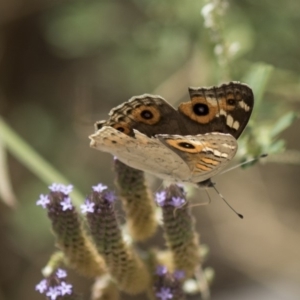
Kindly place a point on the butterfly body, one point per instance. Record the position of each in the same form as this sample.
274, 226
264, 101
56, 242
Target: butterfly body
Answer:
190, 144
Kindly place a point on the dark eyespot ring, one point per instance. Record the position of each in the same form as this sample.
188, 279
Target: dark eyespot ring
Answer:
147, 114
231, 101
201, 109
121, 129
186, 145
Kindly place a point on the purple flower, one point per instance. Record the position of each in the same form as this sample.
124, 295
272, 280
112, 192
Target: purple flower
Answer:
53, 292
161, 270
177, 201
42, 286
58, 187
66, 189
164, 294
99, 188
65, 288
43, 201
55, 187
179, 274
60, 273
66, 204
160, 198
110, 197
88, 206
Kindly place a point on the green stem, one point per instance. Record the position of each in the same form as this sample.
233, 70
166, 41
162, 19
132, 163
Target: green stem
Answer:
32, 160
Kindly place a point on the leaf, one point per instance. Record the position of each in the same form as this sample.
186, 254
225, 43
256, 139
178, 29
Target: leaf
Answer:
276, 147
284, 122
257, 78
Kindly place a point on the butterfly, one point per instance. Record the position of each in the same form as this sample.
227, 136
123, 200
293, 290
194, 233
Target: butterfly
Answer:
190, 144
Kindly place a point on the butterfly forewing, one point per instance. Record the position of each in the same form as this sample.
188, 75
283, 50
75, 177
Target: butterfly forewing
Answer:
149, 114
225, 108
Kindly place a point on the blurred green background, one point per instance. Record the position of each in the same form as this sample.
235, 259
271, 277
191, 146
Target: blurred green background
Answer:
65, 64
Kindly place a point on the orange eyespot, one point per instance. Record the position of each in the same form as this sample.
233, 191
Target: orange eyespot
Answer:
146, 114
120, 128
199, 109
187, 145
124, 128
231, 102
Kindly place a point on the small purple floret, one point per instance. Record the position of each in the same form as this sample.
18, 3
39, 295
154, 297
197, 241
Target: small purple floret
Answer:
42, 286
58, 187
66, 204
88, 206
160, 198
66, 189
110, 197
53, 292
43, 201
60, 273
65, 289
177, 201
179, 274
55, 187
165, 293
161, 270
99, 188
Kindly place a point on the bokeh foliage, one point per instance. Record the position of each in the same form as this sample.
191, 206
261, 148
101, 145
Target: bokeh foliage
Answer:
64, 64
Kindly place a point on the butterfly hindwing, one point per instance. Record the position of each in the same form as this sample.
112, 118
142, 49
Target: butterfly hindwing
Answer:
183, 158
205, 154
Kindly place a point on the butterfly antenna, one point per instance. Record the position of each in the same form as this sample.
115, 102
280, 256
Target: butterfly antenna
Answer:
222, 197
245, 163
